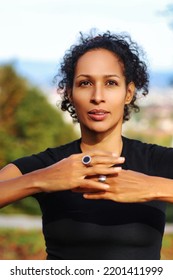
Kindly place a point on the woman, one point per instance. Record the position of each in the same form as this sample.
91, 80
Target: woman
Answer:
102, 196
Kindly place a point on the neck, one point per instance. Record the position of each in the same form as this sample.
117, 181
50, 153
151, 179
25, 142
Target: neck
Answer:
110, 143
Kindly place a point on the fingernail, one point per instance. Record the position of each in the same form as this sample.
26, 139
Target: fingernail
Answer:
106, 186
118, 168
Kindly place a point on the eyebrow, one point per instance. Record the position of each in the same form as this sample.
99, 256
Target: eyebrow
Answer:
105, 76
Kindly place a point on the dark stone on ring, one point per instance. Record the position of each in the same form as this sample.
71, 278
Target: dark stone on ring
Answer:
86, 160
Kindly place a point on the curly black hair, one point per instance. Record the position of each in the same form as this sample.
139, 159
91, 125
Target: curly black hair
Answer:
129, 53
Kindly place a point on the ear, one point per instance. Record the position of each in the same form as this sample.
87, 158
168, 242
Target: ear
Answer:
130, 92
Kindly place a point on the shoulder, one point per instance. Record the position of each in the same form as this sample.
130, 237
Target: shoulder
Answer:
139, 146
47, 157
148, 158
65, 150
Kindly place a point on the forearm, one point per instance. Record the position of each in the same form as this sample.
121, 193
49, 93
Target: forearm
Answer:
162, 188
131, 186
14, 189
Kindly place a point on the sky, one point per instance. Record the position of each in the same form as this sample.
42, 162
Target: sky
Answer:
43, 30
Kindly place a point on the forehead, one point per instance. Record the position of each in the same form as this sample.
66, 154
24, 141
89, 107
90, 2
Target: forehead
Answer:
99, 60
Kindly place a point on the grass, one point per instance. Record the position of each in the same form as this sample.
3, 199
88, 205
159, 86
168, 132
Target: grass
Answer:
29, 245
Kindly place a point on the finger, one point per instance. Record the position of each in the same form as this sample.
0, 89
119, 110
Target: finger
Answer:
96, 196
109, 161
106, 160
91, 184
101, 169
102, 153
99, 156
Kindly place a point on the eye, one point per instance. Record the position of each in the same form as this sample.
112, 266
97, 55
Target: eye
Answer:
85, 83
112, 83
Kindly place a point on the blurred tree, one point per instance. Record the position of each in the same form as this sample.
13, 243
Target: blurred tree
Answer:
28, 123
12, 90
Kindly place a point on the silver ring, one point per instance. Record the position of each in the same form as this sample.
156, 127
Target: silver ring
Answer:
102, 179
86, 160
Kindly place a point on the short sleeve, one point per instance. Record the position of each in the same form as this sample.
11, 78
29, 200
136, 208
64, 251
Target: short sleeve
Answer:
162, 161
35, 161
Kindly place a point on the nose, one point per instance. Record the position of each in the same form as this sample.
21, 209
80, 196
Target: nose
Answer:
97, 94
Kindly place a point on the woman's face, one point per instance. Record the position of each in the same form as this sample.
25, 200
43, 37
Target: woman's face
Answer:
99, 91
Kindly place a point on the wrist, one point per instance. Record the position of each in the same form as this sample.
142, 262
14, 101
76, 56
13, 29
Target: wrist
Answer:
35, 181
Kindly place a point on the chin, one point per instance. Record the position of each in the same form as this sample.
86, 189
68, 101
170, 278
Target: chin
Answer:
101, 129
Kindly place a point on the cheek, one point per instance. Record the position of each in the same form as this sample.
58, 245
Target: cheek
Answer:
77, 103
79, 100
118, 101
79, 106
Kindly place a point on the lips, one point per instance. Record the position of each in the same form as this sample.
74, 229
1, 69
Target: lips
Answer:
98, 114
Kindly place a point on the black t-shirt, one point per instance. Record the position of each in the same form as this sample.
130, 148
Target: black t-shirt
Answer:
76, 228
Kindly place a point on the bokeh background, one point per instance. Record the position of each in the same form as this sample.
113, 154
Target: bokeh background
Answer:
34, 34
